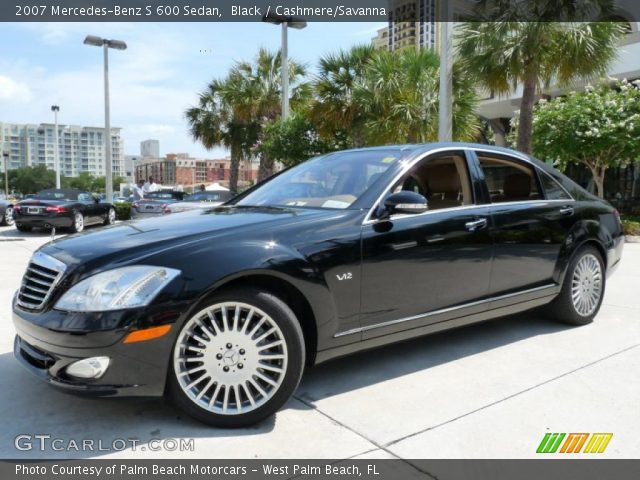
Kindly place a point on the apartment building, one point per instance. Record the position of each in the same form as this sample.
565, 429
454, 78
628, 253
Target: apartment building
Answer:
81, 149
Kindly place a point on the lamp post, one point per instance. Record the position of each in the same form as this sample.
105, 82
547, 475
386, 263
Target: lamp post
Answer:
5, 155
56, 157
445, 124
286, 22
106, 45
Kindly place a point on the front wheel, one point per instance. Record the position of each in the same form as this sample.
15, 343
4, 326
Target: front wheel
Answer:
237, 360
583, 290
8, 217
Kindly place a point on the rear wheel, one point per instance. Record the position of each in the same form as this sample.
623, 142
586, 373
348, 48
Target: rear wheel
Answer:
78, 222
238, 360
110, 219
583, 290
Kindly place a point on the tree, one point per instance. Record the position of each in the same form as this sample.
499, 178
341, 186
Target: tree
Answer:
215, 122
399, 96
338, 106
259, 92
232, 111
293, 140
598, 128
28, 180
503, 54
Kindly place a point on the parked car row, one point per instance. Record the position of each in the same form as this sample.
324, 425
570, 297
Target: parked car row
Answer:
74, 209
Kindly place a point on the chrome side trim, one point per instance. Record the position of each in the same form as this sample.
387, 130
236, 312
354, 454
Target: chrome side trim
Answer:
441, 311
515, 155
401, 216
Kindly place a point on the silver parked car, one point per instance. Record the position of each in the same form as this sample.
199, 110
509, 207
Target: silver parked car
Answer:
155, 203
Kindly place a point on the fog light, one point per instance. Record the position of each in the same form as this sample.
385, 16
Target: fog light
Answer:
93, 367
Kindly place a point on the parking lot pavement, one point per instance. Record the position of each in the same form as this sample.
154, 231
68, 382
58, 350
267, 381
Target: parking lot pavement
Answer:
490, 390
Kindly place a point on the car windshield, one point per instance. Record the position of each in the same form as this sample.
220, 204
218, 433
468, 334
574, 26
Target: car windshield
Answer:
208, 197
334, 181
57, 195
164, 195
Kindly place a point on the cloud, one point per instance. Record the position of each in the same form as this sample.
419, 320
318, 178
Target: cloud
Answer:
13, 91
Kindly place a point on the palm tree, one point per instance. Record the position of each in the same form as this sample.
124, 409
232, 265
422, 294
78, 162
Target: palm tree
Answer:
400, 98
337, 106
215, 122
504, 54
258, 90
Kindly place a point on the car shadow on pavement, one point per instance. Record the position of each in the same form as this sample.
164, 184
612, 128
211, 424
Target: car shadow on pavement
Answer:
393, 361
32, 407
35, 233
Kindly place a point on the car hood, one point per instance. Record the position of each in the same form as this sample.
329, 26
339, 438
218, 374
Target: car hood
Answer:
133, 241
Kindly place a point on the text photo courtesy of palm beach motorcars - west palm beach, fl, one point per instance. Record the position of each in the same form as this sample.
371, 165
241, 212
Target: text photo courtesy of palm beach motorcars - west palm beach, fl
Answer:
415, 237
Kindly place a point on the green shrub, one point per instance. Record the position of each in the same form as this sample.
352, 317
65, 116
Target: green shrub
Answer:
123, 211
631, 224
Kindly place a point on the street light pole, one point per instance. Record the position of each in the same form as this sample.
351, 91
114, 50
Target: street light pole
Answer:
107, 128
285, 71
285, 22
106, 45
445, 124
5, 155
56, 158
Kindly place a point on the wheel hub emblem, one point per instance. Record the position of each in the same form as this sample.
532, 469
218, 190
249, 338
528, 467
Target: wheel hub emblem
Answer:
230, 358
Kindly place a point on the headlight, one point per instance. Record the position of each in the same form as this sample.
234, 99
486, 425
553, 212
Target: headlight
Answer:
118, 289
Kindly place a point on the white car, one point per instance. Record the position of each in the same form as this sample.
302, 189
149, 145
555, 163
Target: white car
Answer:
206, 199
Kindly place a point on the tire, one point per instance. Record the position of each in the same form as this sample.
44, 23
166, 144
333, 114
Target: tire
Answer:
78, 222
585, 279
110, 219
7, 218
233, 353
23, 228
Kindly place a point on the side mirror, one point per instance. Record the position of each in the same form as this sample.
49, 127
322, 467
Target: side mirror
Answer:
404, 201
96, 199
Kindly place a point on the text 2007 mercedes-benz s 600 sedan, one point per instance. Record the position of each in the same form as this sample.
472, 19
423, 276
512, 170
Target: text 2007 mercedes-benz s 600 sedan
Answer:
222, 308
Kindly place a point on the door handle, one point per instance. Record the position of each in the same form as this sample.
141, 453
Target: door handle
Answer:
476, 224
566, 211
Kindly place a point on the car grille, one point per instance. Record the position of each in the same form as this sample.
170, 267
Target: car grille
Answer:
42, 275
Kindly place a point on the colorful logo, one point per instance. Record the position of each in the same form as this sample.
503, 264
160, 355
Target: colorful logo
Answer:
574, 443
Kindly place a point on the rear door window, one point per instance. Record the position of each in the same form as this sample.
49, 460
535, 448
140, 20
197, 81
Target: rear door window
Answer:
509, 180
552, 189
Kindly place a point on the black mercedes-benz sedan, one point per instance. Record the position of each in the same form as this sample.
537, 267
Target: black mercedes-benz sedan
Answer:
62, 208
222, 308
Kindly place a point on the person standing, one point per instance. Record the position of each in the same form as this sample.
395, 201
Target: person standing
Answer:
150, 186
138, 193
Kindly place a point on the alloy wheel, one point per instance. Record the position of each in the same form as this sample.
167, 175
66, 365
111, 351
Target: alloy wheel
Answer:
111, 219
586, 285
230, 358
78, 221
8, 216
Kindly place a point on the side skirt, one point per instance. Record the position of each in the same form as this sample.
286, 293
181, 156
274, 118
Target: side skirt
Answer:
409, 334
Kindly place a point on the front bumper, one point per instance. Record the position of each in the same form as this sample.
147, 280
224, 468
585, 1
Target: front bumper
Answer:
136, 369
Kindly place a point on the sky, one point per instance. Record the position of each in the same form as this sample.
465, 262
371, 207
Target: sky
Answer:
152, 83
